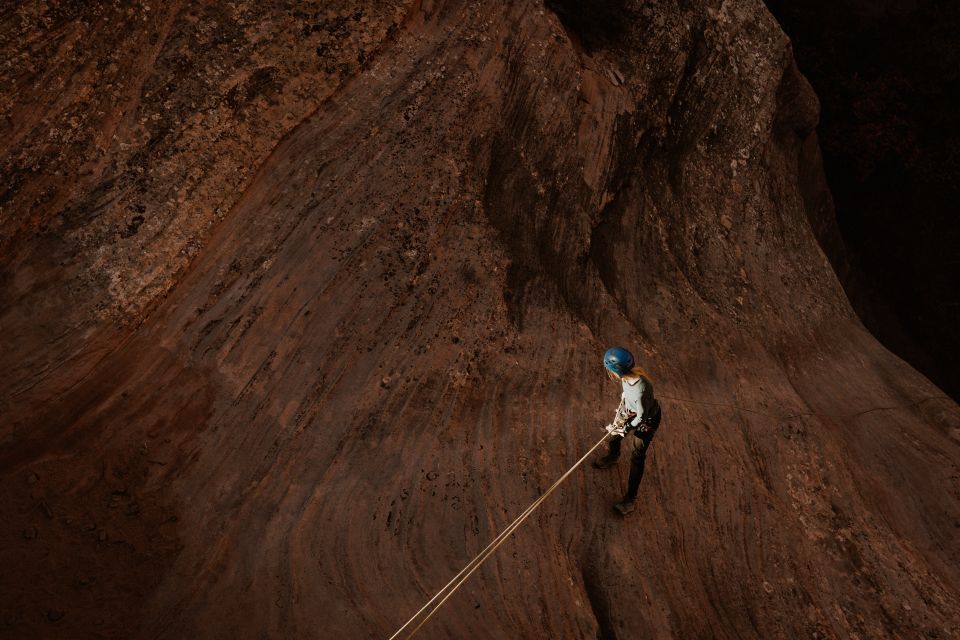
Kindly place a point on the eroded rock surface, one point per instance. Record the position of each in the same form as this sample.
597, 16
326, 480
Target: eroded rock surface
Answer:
303, 303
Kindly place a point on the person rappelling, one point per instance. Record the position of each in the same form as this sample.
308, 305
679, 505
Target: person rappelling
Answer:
638, 415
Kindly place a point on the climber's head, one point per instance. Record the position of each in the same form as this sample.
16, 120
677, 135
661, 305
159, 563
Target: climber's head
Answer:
618, 360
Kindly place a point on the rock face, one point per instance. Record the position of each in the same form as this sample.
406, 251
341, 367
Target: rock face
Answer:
303, 304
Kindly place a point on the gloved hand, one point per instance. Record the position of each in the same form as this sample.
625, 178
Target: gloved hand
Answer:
644, 425
616, 429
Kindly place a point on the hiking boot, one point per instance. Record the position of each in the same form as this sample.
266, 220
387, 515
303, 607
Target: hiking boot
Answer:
604, 462
625, 506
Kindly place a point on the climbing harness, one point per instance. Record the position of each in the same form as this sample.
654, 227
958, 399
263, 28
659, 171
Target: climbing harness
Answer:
474, 564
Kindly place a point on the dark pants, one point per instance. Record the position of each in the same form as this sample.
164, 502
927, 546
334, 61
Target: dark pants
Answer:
638, 456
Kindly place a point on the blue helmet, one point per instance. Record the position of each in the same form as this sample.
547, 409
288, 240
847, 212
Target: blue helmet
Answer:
618, 360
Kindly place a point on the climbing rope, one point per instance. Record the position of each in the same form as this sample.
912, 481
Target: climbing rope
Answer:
474, 564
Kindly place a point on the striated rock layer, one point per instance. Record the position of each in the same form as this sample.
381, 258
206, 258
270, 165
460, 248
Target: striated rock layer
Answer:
303, 303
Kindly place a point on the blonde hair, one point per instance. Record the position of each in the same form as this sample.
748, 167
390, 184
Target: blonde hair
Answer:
636, 372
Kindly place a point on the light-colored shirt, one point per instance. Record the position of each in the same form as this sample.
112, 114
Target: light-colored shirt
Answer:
638, 396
